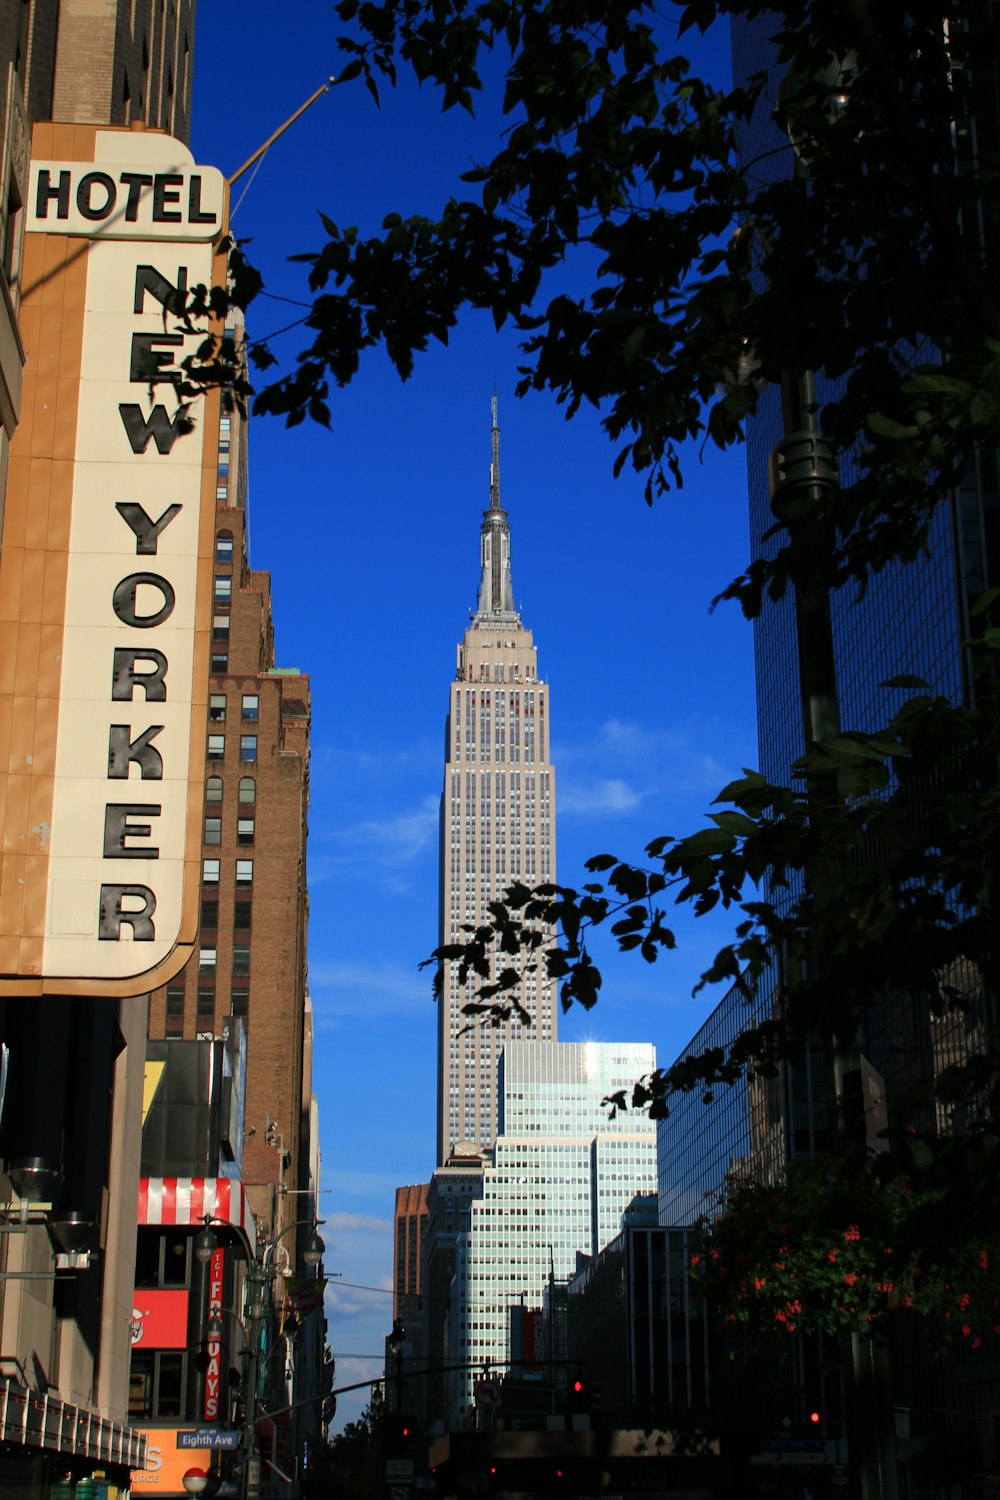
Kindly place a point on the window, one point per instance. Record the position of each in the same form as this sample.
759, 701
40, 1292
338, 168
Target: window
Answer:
213, 789
140, 1384
220, 662
221, 491
241, 960
250, 706
239, 1002
248, 789
242, 915
223, 588
175, 1000
248, 747
224, 547
213, 830
209, 914
169, 1381
244, 871
206, 1002
244, 831
216, 746
220, 627
210, 871
206, 960
217, 708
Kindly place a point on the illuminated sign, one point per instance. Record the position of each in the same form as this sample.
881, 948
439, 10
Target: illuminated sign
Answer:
213, 1370
159, 1319
107, 810
166, 1462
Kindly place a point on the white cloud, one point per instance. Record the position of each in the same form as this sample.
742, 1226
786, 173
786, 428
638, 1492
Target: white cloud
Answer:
343, 1223
378, 989
592, 794
624, 763
373, 847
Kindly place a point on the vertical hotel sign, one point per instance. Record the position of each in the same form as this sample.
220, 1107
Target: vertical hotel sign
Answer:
105, 570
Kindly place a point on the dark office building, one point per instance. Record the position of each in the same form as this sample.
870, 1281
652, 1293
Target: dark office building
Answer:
636, 1327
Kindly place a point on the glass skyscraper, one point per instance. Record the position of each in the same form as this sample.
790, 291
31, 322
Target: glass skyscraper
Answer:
562, 1176
913, 617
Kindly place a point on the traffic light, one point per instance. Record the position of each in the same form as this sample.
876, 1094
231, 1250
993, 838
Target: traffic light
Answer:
579, 1393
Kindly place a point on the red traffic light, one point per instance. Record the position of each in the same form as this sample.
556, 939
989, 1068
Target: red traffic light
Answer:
578, 1387
815, 1418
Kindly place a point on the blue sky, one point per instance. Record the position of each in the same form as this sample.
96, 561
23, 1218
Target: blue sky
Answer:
371, 534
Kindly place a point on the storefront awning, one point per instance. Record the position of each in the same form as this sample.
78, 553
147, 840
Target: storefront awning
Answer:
30, 1419
186, 1200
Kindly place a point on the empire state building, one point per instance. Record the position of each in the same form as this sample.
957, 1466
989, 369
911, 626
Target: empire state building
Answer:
497, 827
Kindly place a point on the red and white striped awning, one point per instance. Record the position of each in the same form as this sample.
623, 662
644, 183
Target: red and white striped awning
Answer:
186, 1200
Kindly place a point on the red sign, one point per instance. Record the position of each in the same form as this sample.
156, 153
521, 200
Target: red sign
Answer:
533, 1335
159, 1319
213, 1374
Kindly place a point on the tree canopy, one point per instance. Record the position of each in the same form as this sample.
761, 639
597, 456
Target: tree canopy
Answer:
722, 251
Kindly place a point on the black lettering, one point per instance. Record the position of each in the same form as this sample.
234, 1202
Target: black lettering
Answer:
146, 361
135, 182
84, 195
124, 605
166, 189
122, 751
147, 532
46, 191
114, 917
195, 214
162, 429
149, 279
125, 679
117, 829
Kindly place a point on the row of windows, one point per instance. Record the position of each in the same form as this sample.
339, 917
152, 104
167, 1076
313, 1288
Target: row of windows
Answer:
242, 913
244, 830
239, 1004
241, 959
249, 707
217, 747
210, 871
247, 791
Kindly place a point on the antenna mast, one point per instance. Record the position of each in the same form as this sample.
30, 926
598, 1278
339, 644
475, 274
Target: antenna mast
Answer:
495, 460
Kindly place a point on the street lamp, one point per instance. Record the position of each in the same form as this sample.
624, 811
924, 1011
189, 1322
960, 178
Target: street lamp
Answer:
260, 1274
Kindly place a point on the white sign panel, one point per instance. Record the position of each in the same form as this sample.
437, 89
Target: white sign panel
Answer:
119, 828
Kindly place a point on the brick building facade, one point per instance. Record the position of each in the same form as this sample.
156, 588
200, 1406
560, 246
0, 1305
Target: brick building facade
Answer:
254, 907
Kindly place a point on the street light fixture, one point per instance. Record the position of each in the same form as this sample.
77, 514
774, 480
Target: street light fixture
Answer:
260, 1274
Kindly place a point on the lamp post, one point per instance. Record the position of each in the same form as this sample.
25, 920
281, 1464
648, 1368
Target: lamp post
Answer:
804, 467
260, 1274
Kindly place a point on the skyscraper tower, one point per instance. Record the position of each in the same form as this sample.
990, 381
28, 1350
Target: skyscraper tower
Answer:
497, 826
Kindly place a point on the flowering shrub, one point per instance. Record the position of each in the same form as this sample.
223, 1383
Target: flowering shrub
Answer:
830, 1249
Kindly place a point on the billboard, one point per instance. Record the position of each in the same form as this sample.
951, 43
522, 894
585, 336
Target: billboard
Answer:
166, 1462
159, 1319
105, 569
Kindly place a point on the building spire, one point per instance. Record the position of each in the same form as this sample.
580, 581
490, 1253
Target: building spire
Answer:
495, 458
496, 592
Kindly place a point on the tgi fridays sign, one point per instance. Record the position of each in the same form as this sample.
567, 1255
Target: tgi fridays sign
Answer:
108, 820
211, 1407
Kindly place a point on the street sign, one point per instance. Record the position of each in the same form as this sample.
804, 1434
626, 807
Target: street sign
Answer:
208, 1437
487, 1392
801, 1458
399, 1469
253, 1477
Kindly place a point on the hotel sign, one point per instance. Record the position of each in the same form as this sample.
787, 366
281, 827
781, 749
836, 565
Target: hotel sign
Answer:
107, 820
